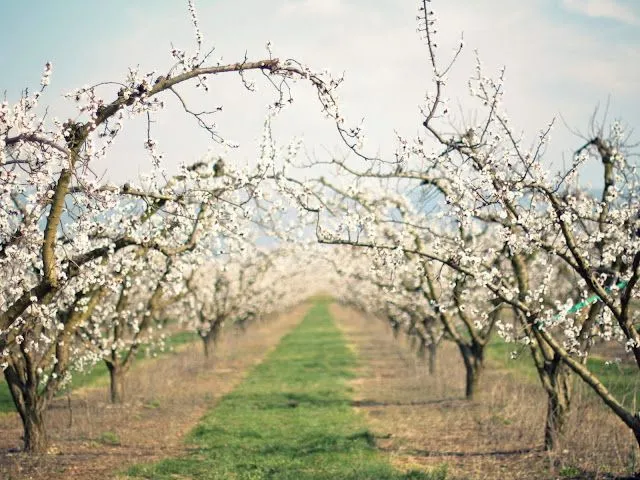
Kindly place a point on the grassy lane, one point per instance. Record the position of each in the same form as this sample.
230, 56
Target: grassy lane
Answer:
290, 419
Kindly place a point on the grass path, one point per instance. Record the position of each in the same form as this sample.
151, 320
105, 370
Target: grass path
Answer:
291, 418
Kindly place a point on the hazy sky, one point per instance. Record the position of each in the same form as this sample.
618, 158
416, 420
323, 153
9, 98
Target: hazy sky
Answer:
562, 57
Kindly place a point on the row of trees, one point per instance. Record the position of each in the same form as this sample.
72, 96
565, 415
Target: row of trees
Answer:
95, 271
465, 233
468, 231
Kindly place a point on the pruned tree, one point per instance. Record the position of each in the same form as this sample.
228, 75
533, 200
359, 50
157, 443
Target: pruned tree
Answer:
58, 236
552, 246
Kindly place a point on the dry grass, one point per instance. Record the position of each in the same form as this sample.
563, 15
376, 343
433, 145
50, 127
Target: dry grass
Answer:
423, 421
166, 398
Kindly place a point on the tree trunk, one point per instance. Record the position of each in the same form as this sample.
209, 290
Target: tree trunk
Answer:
210, 339
559, 390
35, 433
31, 409
116, 385
433, 357
207, 345
471, 381
473, 357
556, 414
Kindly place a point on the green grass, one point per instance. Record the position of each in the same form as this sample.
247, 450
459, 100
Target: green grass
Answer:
6, 402
98, 375
291, 418
499, 352
622, 380
109, 438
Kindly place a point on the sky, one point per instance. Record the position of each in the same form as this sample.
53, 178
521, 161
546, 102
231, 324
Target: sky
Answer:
562, 57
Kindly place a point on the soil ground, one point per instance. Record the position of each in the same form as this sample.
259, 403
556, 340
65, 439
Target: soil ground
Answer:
290, 419
165, 399
422, 420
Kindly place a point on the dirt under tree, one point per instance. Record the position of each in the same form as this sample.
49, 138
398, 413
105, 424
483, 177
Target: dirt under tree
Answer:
424, 421
166, 397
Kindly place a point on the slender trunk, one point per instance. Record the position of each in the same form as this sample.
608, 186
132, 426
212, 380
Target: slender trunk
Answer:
556, 378
473, 358
31, 409
559, 390
556, 415
433, 357
471, 381
207, 346
116, 385
210, 338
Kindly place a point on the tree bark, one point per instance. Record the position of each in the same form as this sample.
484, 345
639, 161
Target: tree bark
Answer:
557, 409
116, 385
559, 389
471, 381
433, 358
30, 407
473, 357
210, 338
207, 345
36, 439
